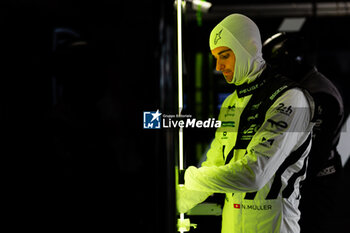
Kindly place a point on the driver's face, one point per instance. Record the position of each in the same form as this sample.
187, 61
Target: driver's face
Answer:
225, 61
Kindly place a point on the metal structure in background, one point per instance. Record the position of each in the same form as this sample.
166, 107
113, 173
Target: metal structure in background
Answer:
218, 11
183, 224
167, 212
180, 98
179, 77
60, 37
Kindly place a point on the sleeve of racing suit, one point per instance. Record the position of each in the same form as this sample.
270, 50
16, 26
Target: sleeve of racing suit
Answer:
283, 128
186, 199
214, 155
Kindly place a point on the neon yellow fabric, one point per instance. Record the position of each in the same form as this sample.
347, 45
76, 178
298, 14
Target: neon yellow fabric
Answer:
187, 199
254, 169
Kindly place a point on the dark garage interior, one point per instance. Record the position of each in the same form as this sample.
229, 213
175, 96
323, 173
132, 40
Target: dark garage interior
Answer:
76, 79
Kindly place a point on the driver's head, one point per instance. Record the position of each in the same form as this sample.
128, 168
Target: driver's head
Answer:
236, 44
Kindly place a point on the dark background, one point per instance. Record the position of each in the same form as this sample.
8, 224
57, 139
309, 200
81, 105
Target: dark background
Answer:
76, 156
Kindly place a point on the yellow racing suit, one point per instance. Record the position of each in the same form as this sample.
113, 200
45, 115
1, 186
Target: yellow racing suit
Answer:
261, 179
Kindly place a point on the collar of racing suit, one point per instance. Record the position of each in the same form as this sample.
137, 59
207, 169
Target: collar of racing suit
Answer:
249, 88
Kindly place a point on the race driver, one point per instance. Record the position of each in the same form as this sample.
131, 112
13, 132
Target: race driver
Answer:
259, 154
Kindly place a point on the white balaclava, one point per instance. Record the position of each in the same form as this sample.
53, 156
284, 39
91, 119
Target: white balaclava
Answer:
242, 36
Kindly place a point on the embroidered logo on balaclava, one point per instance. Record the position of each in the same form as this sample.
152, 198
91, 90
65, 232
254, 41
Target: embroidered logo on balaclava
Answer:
217, 37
